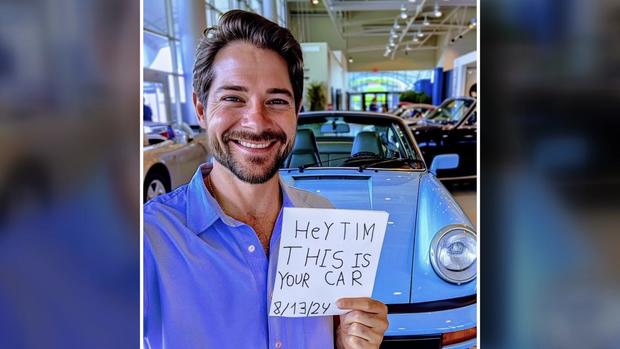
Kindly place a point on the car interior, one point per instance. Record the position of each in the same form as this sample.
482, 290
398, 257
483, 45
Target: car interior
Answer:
338, 144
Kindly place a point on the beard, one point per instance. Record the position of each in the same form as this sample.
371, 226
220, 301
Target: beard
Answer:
256, 169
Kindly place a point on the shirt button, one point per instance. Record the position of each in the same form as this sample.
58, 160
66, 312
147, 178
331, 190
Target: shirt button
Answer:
251, 248
278, 344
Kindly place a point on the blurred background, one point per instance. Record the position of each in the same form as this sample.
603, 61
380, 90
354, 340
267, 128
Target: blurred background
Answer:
549, 196
69, 173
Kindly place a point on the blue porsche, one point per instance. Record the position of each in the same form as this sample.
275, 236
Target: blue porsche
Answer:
428, 265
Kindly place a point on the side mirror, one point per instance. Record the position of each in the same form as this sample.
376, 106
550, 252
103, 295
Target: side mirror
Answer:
444, 162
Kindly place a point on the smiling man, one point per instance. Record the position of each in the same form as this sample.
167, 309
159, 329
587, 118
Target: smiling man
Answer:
208, 270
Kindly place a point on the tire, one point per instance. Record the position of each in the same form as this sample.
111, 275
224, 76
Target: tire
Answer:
155, 184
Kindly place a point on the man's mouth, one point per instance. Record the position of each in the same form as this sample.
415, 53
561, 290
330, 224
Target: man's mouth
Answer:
254, 145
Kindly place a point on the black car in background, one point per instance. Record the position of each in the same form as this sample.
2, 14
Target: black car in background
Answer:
451, 128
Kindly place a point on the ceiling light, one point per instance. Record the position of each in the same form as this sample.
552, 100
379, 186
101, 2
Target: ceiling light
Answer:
387, 52
350, 59
407, 48
403, 8
436, 11
403, 15
472, 23
411, 1
315, 2
396, 25
394, 35
392, 44
415, 39
420, 34
426, 22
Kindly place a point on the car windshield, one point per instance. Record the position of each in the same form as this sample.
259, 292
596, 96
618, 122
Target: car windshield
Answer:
352, 141
450, 112
414, 112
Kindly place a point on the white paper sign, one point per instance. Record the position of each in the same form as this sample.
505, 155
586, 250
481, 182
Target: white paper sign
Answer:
324, 255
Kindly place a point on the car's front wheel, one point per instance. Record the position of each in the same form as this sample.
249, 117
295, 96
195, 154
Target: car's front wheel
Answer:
155, 184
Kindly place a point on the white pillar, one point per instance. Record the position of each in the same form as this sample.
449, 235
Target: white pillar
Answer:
192, 22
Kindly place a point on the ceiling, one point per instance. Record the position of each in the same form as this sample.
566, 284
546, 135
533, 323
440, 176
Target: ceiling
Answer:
362, 29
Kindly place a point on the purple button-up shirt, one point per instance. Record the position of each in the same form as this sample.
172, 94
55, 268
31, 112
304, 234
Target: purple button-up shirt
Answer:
208, 281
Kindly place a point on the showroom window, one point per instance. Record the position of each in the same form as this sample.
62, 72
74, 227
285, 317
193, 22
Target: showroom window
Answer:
384, 86
163, 90
385, 80
257, 6
281, 12
216, 8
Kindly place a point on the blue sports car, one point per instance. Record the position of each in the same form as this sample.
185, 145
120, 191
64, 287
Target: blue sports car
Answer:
428, 263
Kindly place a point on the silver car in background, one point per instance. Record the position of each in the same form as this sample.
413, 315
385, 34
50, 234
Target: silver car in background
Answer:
169, 163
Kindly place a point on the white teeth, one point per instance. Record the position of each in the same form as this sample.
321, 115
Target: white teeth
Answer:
254, 145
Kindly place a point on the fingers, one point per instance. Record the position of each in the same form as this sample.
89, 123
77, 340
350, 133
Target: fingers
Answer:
366, 304
368, 319
364, 332
363, 326
352, 342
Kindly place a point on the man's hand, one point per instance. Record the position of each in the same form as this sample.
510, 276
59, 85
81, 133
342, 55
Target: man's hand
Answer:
363, 327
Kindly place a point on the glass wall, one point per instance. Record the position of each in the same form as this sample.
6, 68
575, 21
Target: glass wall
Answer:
163, 70
379, 91
385, 81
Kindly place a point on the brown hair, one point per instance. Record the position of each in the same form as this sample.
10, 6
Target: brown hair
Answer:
238, 25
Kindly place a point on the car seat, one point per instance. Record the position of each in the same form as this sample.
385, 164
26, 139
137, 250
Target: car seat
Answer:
305, 151
367, 143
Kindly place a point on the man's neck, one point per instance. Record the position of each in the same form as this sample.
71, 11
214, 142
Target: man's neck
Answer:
256, 205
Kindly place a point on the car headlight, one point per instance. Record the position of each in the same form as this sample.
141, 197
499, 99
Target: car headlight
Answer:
453, 254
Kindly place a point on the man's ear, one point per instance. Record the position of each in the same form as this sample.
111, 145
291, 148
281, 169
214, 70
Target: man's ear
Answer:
200, 111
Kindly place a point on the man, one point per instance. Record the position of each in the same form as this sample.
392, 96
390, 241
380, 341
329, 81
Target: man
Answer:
373, 105
211, 245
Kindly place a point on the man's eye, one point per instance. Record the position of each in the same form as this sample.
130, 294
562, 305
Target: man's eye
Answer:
231, 99
278, 101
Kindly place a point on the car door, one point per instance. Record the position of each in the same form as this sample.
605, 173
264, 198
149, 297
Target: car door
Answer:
463, 141
430, 141
187, 160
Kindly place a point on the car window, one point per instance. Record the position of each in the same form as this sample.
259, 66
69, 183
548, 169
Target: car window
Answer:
450, 112
351, 142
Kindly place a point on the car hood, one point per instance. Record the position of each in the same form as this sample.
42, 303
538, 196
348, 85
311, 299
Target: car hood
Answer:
393, 191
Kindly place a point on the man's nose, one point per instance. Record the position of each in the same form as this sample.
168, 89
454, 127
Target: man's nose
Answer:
256, 116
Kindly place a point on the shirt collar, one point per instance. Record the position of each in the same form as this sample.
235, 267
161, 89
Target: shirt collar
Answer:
200, 210
203, 210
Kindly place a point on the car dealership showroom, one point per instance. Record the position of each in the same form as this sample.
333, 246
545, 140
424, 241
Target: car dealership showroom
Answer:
388, 123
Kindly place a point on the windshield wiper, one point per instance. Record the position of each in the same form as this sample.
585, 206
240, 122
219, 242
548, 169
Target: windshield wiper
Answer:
407, 161
378, 160
303, 167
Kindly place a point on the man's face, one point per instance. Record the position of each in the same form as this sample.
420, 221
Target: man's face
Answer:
250, 114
